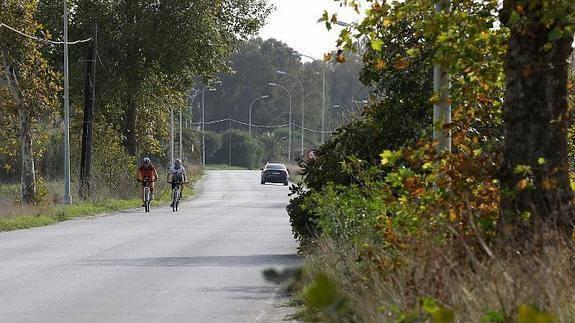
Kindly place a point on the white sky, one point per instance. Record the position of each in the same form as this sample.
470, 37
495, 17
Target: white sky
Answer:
295, 23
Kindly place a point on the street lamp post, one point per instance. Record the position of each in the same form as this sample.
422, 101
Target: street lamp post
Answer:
302, 107
323, 93
204, 122
171, 136
251, 105
67, 196
290, 116
181, 143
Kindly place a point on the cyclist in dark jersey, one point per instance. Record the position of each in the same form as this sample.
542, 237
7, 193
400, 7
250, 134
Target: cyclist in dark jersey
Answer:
177, 175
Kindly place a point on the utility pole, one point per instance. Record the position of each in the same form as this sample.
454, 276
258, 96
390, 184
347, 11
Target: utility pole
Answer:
89, 103
230, 141
323, 105
441, 109
171, 136
181, 144
203, 128
67, 196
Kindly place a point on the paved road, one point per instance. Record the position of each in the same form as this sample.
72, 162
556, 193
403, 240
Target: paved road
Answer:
201, 265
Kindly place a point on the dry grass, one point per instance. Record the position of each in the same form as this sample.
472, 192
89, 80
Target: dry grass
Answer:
105, 198
383, 286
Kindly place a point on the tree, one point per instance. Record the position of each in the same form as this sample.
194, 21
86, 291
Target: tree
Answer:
274, 147
164, 44
535, 171
244, 151
32, 84
257, 62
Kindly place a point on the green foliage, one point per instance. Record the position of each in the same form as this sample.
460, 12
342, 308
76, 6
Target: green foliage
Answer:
150, 55
245, 151
531, 314
303, 218
274, 146
346, 212
49, 214
214, 143
493, 317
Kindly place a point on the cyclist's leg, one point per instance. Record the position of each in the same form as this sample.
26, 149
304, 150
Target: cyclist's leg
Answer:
174, 185
151, 191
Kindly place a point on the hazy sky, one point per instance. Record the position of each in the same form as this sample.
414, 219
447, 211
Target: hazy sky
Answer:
295, 23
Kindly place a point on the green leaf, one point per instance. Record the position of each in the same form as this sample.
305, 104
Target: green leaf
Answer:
522, 170
493, 317
376, 44
541, 161
389, 157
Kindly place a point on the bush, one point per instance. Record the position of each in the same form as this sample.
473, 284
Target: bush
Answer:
213, 145
303, 220
245, 151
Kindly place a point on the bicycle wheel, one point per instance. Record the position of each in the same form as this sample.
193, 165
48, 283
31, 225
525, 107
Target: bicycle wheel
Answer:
174, 200
147, 200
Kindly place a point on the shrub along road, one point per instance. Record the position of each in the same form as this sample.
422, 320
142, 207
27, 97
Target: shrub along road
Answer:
202, 264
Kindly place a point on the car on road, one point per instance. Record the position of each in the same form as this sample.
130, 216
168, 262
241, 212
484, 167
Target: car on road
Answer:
275, 173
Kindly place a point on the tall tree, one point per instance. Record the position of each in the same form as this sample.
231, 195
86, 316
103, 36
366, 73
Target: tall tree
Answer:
31, 85
535, 170
168, 43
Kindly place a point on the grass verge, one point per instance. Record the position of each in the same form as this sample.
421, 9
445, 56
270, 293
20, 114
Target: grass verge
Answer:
36, 216
15, 217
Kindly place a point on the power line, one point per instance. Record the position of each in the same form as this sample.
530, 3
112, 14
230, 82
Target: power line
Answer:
261, 126
312, 130
44, 40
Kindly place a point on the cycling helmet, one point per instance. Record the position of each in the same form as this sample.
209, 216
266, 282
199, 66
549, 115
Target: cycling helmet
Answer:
146, 160
177, 163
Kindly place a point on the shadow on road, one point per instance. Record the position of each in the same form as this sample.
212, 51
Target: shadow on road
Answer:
246, 292
200, 261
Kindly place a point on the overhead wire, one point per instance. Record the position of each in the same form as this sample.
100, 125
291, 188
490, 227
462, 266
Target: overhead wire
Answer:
47, 41
260, 126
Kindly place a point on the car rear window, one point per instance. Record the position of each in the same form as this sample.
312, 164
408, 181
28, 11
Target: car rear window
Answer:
275, 166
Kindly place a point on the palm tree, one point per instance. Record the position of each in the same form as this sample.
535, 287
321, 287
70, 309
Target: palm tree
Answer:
274, 147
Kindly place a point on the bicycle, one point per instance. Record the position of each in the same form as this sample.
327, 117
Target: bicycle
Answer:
176, 195
147, 194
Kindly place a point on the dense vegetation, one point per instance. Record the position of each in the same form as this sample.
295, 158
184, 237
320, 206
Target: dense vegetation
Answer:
149, 55
395, 230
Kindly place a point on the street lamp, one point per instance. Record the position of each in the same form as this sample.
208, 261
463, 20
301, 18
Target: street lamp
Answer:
290, 116
67, 196
280, 72
211, 89
251, 105
323, 92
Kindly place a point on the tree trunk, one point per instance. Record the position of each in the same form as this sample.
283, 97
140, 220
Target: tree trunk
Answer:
88, 126
536, 119
28, 176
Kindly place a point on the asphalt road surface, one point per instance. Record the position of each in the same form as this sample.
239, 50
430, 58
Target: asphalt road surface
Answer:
203, 264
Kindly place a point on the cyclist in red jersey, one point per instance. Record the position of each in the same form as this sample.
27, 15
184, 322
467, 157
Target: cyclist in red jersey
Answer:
147, 171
